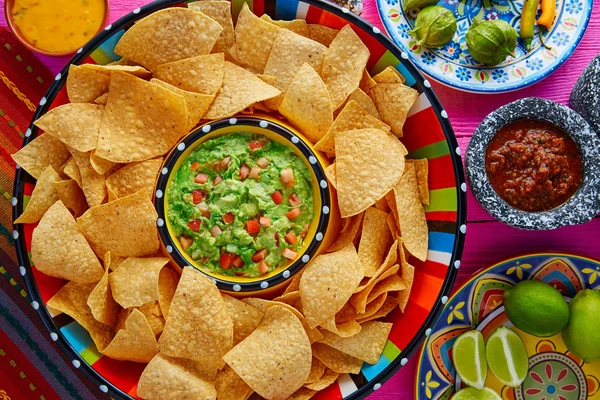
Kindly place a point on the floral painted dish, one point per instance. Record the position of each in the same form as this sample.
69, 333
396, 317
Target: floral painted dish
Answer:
554, 372
452, 64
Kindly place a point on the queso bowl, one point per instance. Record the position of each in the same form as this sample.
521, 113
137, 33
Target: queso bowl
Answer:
322, 230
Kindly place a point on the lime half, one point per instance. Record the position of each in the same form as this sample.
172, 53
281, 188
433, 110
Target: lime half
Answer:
507, 356
474, 394
468, 353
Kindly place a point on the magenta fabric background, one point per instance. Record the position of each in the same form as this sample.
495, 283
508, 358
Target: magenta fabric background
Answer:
487, 241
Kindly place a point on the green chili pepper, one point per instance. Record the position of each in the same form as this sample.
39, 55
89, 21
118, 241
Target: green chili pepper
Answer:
528, 21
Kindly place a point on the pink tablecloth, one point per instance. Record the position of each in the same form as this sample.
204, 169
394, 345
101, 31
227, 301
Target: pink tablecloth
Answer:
487, 240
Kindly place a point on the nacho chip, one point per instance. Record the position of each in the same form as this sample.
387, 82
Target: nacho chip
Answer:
289, 298
43, 196
342, 329
245, 318
71, 195
135, 177
230, 386
196, 104
393, 100
277, 351
220, 11
408, 276
352, 117
135, 128
101, 100
92, 183
328, 282
254, 40
240, 90
199, 326
168, 35
135, 282
100, 165
202, 74
365, 102
382, 205
411, 214
422, 169
42, 151
335, 360
330, 173
153, 314
167, 284
389, 75
198, 368
163, 379
382, 308
294, 285
108, 70
85, 85
326, 380
126, 227
72, 171
302, 394
367, 345
59, 249
369, 163
374, 240
298, 26
306, 104
322, 33
366, 82
134, 343
103, 306
360, 299
392, 283
390, 260
352, 227
343, 66
317, 369
349, 313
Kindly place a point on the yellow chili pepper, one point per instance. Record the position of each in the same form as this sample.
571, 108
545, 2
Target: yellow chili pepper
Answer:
548, 13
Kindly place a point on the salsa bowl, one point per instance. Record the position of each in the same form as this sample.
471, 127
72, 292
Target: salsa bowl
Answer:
321, 231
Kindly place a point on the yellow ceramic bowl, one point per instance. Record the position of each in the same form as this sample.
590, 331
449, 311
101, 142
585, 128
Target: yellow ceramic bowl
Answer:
322, 231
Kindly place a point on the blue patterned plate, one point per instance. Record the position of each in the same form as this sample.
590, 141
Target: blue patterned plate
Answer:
452, 64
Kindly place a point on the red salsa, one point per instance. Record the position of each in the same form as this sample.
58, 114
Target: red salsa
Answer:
533, 165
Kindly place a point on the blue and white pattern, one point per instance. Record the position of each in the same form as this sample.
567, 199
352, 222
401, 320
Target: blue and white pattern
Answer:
453, 65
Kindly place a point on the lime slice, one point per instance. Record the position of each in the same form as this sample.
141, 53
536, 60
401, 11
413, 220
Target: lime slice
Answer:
474, 394
468, 353
507, 356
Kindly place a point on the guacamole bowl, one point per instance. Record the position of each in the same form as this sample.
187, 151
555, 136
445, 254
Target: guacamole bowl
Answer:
316, 229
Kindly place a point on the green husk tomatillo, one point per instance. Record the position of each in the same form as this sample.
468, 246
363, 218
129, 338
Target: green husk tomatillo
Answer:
409, 5
435, 26
489, 42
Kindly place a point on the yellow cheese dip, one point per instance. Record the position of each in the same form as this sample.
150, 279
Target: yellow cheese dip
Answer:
58, 25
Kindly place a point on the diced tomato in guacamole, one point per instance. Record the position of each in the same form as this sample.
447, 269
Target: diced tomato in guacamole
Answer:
231, 223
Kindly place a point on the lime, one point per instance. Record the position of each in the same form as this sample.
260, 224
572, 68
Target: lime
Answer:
582, 333
474, 394
536, 308
507, 356
468, 353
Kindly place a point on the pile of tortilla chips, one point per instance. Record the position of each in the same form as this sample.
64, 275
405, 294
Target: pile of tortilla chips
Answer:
96, 167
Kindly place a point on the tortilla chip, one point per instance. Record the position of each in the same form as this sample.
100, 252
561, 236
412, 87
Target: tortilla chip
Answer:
126, 227
390, 260
306, 104
59, 249
392, 283
328, 282
92, 183
168, 35
199, 326
408, 276
412, 221
422, 169
108, 70
383, 308
317, 369
367, 345
240, 90
393, 101
220, 11
373, 155
135, 177
352, 117
135, 128
230, 386
135, 343
348, 235
135, 282
254, 40
100, 165
330, 173
343, 66
124, 61
289, 298
42, 151
72, 171
382, 205
335, 360
153, 314
277, 351
100, 301
343, 329
366, 82
196, 104
361, 299
202, 74
298, 26
101, 100
326, 380
43, 196
322, 33
71, 195
163, 379
85, 85
302, 394
389, 75
374, 240
245, 318
365, 102
294, 285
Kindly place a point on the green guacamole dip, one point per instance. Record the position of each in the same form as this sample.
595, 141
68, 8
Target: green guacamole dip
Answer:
241, 204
